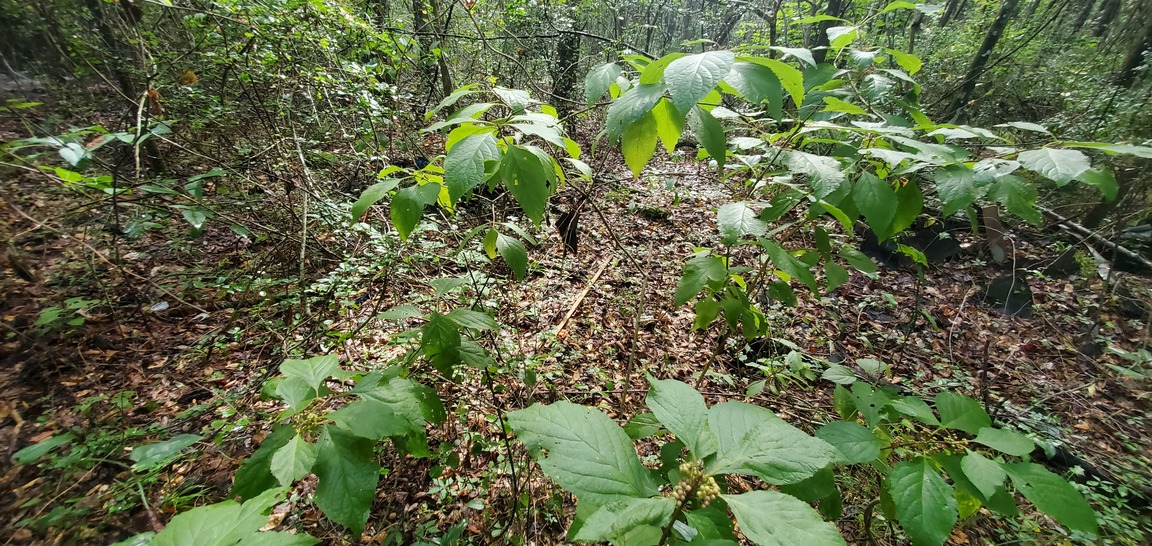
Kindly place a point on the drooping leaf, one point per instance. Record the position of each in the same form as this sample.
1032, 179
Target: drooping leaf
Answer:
700, 271
784, 260
711, 134
790, 78
221, 524
877, 201
691, 77
1057, 165
293, 461
630, 107
348, 471
372, 195
653, 72
669, 124
464, 163
910, 202
775, 519
1018, 196
961, 412
986, 475
824, 173
752, 440
639, 143
528, 179
254, 476
909, 62
599, 79
924, 502
1054, 495
758, 83
682, 410
587, 453
511, 249
1103, 179
956, 188
737, 220
855, 442
408, 206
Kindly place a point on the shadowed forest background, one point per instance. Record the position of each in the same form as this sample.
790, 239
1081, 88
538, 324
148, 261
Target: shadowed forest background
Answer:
639, 272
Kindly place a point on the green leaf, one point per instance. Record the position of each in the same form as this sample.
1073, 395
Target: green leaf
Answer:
528, 180
516, 99
916, 408
196, 217
824, 173
790, 78
840, 37
700, 271
758, 83
439, 340
907, 61
753, 441
737, 220
682, 410
33, 452
630, 107
1114, 149
840, 375
1025, 126
877, 201
836, 276
407, 398
711, 134
1005, 441
473, 319
599, 79
295, 392
221, 524
639, 143
773, 518
626, 522
1103, 179
156, 455
1018, 196
925, 504
856, 442
691, 77
255, 475
313, 371
464, 164
408, 207
278, 538
1059, 166
840, 105
669, 124
859, 260
961, 412
348, 472
653, 73
587, 453
293, 461
374, 420
956, 188
784, 260
985, 475
372, 195
513, 252
1054, 495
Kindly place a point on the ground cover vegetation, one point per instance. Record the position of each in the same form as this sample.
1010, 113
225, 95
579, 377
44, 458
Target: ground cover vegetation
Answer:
523, 272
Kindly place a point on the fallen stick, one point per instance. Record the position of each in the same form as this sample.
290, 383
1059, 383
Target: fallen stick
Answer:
583, 293
1090, 235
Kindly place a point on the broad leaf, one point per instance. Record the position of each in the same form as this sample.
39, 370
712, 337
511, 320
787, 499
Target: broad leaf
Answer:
669, 124
758, 83
528, 179
790, 78
1104, 180
374, 193
464, 164
753, 441
313, 371
630, 107
599, 79
700, 271
691, 77
293, 461
833, 104
877, 201
375, 420
512, 250
628, 522
961, 412
221, 524
154, 455
682, 410
824, 173
1018, 196
737, 220
473, 319
348, 472
30, 453
1059, 166
924, 502
956, 188
1054, 495
985, 475
711, 134
254, 476
588, 454
795, 268
408, 206
775, 519
639, 143
855, 442
413, 401
1005, 441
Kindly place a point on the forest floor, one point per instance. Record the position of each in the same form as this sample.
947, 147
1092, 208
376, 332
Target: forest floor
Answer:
174, 339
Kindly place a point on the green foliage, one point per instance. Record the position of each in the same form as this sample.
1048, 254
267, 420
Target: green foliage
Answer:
223, 524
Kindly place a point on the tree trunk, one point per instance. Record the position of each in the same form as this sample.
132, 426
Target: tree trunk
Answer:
1108, 12
1136, 57
1082, 18
820, 48
951, 10
960, 101
566, 71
